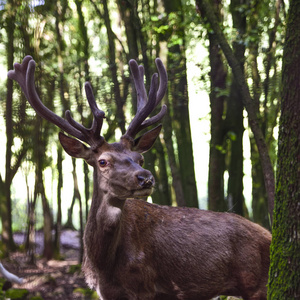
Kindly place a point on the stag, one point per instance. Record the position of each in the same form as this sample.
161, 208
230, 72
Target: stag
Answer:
137, 250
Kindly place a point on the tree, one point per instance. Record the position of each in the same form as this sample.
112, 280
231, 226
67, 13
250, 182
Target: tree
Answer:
248, 103
6, 205
179, 99
14, 118
284, 277
218, 76
265, 89
234, 115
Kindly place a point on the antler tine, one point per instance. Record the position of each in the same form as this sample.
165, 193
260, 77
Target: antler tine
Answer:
134, 126
163, 83
138, 78
92, 135
24, 75
144, 107
98, 114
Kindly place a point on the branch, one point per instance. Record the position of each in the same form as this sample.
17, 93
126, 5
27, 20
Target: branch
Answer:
9, 276
208, 11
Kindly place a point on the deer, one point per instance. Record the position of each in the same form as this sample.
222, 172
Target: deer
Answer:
135, 250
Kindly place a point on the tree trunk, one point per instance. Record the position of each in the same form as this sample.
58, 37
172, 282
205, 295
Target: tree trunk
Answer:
61, 84
234, 117
179, 93
30, 236
85, 45
76, 195
162, 182
112, 64
128, 13
84, 38
7, 235
284, 272
218, 74
40, 139
58, 225
176, 180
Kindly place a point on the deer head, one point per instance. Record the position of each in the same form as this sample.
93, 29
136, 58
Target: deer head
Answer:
113, 161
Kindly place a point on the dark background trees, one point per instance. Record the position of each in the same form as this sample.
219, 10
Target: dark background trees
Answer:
75, 41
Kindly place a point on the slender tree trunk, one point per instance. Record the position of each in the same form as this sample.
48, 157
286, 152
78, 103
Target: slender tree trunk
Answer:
76, 195
7, 234
128, 12
179, 93
85, 44
162, 184
84, 39
234, 117
218, 74
30, 236
112, 63
58, 226
284, 275
40, 140
47, 218
176, 180
60, 52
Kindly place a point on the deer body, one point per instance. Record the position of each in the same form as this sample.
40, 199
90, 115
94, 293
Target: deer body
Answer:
157, 252
140, 251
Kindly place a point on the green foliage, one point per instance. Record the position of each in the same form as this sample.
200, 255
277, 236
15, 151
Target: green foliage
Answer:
74, 269
2, 293
17, 294
87, 293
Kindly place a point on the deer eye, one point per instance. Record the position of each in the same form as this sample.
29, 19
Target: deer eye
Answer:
102, 163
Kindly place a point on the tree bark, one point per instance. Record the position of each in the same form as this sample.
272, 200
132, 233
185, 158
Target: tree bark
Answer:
284, 279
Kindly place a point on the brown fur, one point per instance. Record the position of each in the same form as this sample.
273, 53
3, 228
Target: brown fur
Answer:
138, 250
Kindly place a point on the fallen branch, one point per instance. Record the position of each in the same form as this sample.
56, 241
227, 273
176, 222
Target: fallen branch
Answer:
9, 276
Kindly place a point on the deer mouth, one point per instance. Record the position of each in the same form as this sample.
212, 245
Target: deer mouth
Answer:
124, 192
142, 192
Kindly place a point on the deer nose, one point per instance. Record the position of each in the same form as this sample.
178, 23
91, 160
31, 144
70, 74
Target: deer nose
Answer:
145, 181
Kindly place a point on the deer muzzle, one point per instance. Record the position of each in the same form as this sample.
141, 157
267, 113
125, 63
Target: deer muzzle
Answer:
145, 179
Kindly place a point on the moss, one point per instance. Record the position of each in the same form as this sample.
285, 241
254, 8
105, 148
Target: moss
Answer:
17, 294
87, 293
74, 269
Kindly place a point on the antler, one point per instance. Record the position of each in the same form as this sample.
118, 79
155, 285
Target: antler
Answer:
24, 75
144, 107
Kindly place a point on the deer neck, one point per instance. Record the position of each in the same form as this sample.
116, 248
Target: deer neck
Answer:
106, 208
103, 225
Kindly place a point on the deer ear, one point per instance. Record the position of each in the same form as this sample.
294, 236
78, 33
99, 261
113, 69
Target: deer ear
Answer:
73, 147
143, 143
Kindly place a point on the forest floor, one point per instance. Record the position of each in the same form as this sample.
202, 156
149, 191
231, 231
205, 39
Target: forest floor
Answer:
54, 279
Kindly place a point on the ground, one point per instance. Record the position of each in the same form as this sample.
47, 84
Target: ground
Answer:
52, 279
